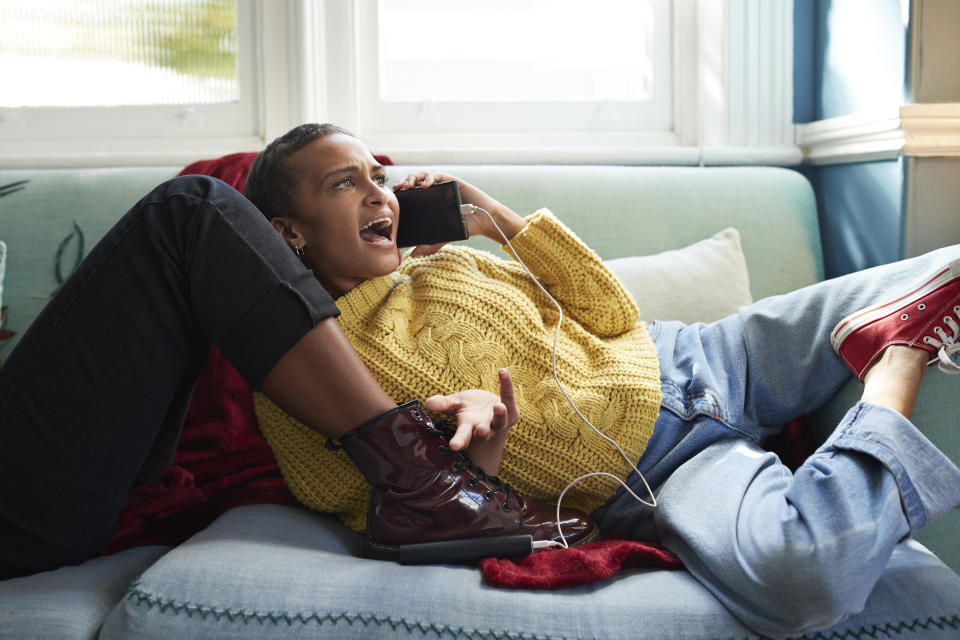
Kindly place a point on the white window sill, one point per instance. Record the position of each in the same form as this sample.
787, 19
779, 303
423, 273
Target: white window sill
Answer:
120, 153
51, 155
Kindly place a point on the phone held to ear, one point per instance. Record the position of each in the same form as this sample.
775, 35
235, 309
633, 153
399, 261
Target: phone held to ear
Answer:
430, 215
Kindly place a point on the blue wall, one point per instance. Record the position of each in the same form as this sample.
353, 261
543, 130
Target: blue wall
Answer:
850, 57
860, 212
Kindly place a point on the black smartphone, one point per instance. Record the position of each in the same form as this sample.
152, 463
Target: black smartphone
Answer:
430, 215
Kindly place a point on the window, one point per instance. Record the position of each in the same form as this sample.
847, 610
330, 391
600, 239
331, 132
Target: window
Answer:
531, 71
87, 77
118, 53
425, 81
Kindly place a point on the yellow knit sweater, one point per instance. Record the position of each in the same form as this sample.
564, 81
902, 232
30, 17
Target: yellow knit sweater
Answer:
448, 322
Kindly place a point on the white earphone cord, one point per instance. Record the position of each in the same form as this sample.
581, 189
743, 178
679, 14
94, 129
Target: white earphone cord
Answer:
470, 208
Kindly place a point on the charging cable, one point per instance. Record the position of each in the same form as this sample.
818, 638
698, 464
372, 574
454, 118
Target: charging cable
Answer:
467, 209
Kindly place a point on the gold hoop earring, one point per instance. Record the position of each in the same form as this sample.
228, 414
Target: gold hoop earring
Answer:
299, 252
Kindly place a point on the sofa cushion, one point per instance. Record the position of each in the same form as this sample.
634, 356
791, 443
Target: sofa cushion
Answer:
71, 602
272, 571
703, 282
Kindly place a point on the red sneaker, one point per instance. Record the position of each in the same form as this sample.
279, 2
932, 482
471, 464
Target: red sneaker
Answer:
926, 317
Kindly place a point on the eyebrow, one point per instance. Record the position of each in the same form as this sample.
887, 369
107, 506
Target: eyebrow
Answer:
350, 169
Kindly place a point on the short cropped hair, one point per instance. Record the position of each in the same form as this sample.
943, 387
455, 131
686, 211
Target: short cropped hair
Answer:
273, 179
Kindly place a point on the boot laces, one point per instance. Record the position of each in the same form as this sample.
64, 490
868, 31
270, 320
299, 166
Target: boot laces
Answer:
946, 344
445, 430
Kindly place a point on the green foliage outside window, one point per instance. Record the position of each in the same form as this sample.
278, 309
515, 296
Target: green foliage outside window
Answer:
195, 37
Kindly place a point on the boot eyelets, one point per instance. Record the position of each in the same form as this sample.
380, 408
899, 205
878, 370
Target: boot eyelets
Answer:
488, 495
443, 449
904, 317
473, 481
416, 415
921, 306
506, 508
457, 466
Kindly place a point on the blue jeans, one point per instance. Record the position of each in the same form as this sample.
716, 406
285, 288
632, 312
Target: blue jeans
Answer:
93, 397
785, 552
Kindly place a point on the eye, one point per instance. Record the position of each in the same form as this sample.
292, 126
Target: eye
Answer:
343, 184
380, 180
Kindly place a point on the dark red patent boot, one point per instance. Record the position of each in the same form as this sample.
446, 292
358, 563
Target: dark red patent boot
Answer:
432, 504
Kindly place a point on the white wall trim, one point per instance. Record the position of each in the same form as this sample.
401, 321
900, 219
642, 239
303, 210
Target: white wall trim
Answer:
859, 137
757, 73
931, 129
914, 130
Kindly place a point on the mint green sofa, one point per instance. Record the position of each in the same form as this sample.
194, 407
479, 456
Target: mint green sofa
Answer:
272, 571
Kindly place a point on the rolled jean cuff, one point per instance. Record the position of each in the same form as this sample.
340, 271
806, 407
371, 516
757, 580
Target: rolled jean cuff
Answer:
274, 323
929, 483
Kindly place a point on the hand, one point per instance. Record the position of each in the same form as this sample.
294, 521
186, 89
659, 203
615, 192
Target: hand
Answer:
477, 223
483, 421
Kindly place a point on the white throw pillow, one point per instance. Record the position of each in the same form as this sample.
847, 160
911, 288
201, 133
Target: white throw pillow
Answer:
703, 282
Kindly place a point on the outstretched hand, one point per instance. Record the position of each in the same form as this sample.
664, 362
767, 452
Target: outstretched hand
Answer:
483, 420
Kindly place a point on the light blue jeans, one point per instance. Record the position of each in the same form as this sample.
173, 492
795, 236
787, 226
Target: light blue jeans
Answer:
785, 552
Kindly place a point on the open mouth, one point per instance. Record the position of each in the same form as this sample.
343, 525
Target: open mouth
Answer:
378, 231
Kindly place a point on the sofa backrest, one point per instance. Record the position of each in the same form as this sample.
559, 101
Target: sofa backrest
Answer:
617, 210
625, 211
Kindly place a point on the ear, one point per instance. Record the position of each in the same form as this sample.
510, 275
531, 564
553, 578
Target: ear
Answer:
288, 230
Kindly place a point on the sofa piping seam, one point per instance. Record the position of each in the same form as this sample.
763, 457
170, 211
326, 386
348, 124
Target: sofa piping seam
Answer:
889, 628
139, 596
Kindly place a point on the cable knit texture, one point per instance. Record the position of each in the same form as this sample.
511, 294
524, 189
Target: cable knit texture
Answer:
448, 322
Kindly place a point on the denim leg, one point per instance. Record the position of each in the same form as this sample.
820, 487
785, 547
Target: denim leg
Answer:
773, 360
785, 552
93, 397
789, 552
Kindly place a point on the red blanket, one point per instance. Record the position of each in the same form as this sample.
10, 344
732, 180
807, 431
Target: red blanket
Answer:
223, 461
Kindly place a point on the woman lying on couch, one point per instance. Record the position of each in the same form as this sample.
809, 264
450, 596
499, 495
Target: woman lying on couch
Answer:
92, 398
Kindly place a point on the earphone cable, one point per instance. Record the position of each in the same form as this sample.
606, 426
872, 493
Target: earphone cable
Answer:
470, 208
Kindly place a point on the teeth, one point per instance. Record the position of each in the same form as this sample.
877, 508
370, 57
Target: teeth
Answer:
379, 223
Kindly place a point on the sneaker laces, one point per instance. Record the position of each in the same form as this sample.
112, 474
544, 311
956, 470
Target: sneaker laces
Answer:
946, 345
445, 430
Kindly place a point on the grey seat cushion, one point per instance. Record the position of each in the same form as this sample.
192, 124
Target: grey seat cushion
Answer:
71, 602
270, 571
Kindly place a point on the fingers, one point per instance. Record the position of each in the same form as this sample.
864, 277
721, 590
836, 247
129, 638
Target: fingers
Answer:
421, 179
451, 406
426, 249
499, 420
442, 404
508, 398
480, 415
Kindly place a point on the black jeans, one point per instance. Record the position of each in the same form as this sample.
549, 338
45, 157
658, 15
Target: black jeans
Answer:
93, 397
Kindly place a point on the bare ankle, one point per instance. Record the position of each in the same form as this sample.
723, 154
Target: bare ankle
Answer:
899, 357
894, 379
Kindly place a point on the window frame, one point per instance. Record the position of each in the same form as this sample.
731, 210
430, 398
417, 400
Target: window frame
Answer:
731, 99
136, 134
718, 116
512, 117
